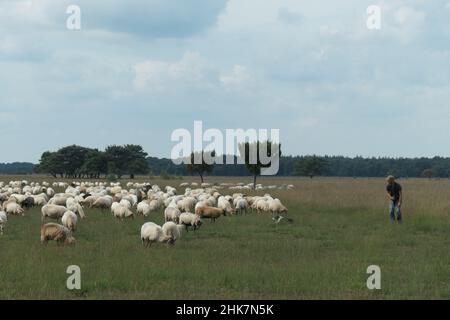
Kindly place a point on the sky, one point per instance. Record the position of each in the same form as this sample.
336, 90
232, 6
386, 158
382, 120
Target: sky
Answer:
138, 70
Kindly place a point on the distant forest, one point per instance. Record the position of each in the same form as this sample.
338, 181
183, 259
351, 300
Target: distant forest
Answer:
332, 166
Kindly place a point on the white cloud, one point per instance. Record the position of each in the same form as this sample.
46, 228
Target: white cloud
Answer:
238, 76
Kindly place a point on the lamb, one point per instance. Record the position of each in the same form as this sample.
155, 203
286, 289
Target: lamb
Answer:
52, 211
3, 220
14, 209
151, 232
172, 231
209, 212
56, 232
172, 214
190, 220
69, 220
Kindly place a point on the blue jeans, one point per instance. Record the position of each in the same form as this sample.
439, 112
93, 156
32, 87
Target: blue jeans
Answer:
393, 208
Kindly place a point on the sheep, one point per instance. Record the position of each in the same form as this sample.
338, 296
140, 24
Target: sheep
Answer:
28, 202
151, 232
187, 204
40, 200
224, 204
59, 199
56, 232
171, 214
241, 205
122, 212
69, 220
190, 220
3, 220
275, 206
143, 208
125, 203
209, 212
172, 231
14, 209
103, 203
52, 211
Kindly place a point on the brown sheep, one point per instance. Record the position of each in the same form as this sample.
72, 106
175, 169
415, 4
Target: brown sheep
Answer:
57, 232
209, 212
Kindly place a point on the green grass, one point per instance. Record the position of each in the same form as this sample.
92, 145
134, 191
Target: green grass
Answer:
341, 227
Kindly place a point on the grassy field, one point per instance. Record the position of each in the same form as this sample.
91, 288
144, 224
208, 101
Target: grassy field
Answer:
341, 227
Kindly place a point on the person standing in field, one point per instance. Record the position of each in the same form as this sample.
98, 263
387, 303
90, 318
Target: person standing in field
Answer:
394, 192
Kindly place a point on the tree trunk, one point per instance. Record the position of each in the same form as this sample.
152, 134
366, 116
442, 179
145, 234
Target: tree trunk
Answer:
254, 181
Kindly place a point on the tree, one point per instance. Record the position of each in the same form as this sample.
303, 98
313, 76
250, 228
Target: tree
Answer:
310, 166
429, 173
96, 164
137, 163
203, 167
129, 159
250, 153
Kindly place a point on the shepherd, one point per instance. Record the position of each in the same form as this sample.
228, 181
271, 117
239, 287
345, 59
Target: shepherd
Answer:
395, 195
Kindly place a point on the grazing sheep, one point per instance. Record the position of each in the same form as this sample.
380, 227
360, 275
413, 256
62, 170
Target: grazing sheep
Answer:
122, 212
190, 220
14, 209
59, 199
151, 232
241, 205
224, 204
56, 232
3, 220
69, 220
103, 203
209, 212
28, 202
171, 214
143, 208
172, 231
275, 206
52, 211
125, 203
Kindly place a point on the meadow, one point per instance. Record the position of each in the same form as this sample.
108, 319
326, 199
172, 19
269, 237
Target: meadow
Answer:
341, 226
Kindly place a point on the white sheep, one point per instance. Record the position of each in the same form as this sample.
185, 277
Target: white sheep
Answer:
172, 231
122, 212
52, 211
151, 232
14, 209
69, 220
190, 220
171, 214
143, 208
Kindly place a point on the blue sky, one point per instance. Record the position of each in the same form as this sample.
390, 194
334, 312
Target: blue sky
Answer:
137, 70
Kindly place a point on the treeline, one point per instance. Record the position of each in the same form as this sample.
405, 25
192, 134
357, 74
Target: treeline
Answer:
330, 166
80, 162
16, 168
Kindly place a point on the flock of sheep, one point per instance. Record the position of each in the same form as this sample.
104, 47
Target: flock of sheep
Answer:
181, 211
